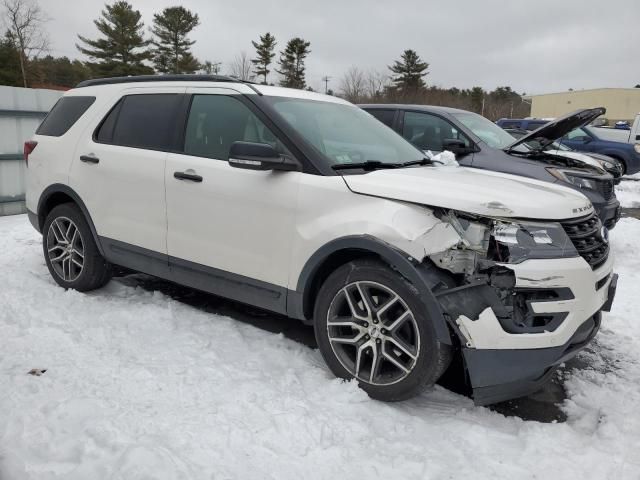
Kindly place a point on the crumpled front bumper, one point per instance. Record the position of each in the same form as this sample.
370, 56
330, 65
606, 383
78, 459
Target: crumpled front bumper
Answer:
503, 365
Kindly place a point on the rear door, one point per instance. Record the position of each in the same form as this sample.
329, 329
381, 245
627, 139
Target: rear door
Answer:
118, 171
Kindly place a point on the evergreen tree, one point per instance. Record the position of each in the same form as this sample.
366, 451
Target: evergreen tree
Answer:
292, 63
59, 72
477, 97
123, 48
172, 47
264, 55
10, 73
409, 72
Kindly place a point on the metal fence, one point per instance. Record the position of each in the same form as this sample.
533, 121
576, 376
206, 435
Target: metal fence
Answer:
21, 111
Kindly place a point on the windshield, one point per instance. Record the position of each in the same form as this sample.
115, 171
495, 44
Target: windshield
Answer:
344, 134
489, 132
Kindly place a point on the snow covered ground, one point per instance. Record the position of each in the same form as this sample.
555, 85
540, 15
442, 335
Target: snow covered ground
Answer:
628, 191
140, 386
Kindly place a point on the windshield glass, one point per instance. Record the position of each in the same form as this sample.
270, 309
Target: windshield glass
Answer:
344, 134
489, 132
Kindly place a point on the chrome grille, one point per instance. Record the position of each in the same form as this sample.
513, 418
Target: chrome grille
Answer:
586, 235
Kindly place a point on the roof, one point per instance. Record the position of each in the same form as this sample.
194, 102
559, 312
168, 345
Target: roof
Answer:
402, 106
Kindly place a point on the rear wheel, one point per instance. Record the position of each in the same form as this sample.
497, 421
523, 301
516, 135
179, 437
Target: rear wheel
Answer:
72, 256
371, 326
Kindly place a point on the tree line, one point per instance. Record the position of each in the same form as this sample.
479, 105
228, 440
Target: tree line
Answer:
125, 47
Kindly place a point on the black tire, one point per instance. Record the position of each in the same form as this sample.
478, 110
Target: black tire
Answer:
95, 271
433, 357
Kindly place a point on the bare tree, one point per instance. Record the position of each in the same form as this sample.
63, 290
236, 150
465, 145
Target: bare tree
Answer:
375, 84
352, 84
241, 67
25, 21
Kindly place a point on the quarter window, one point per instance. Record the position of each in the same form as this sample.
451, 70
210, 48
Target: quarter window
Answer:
63, 115
429, 132
142, 121
217, 121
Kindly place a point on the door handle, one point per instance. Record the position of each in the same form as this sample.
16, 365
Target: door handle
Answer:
91, 158
187, 176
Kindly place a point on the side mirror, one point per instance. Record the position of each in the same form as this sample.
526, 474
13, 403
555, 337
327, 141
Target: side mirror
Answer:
259, 156
585, 139
456, 146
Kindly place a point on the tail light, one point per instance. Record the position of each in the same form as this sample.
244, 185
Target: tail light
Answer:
29, 146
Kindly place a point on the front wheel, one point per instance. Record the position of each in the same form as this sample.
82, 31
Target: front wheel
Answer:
70, 251
371, 325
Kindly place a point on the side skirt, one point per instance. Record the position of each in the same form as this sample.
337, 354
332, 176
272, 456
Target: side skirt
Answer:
201, 277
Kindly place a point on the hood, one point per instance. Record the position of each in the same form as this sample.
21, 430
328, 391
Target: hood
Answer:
558, 128
474, 191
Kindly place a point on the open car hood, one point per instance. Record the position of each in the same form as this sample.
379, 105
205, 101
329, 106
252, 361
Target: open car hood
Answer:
470, 190
558, 128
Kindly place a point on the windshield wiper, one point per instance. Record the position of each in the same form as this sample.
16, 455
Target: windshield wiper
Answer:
369, 165
423, 161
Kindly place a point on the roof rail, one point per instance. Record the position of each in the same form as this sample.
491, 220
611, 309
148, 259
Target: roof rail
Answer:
160, 78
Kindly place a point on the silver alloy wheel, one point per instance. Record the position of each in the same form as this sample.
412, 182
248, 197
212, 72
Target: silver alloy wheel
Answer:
373, 333
65, 248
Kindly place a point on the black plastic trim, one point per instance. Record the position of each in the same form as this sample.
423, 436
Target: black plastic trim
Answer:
33, 219
498, 375
61, 188
159, 78
415, 272
201, 277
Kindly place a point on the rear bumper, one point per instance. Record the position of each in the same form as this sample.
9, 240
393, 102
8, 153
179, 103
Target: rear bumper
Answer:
498, 375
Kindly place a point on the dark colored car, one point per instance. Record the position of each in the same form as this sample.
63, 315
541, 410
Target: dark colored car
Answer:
588, 140
610, 164
480, 143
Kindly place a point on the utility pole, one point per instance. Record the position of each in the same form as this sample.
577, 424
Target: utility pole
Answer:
326, 79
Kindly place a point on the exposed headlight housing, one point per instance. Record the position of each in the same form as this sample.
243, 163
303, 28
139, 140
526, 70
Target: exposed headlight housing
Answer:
636, 147
513, 242
569, 176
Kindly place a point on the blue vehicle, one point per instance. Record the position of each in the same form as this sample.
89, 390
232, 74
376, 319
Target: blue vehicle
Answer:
529, 124
587, 139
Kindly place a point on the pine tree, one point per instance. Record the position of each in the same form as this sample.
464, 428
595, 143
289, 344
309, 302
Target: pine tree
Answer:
10, 73
409, 72
171, 53
292, 63
123, 48
264, 55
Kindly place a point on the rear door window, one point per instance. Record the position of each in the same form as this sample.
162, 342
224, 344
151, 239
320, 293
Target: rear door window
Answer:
64, 114
142, 121
428, 132
385, 116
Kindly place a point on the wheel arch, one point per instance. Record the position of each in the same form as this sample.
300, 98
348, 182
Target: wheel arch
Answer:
301, 302
58, 194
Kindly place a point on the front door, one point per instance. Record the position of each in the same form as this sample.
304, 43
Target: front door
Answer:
229, 229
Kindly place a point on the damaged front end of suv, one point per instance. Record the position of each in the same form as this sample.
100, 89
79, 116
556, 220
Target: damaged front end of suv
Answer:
521, 295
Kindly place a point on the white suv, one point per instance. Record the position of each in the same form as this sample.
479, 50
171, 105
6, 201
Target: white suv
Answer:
305, 205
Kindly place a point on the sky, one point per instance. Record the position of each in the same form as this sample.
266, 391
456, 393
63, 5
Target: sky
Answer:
536, 46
